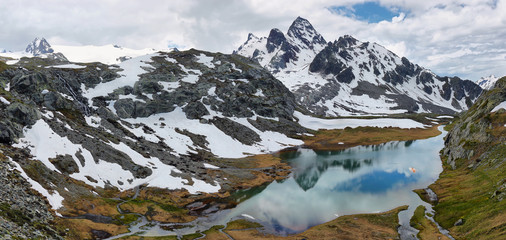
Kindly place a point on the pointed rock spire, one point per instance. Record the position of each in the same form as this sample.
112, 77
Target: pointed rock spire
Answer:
303, 30
275, 39
39, 46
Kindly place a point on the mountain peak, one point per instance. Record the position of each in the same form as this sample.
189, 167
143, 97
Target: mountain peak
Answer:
346, 41
487, 83
275, 39
301, 29
252, 36
39, 46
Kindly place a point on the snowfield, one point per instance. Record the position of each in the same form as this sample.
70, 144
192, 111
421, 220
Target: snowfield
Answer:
341, 123
108, 54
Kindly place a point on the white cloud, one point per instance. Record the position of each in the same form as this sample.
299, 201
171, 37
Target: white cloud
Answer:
429, 32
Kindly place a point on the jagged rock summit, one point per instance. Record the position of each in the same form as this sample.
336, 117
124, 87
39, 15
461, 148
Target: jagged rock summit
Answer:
487, 83
350, 77
279, 51
39, 47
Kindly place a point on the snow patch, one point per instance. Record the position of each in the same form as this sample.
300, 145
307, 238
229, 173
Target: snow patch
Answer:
73, 66
341, 123
4, 101
210, 166
501, 105
93, 121
202, 58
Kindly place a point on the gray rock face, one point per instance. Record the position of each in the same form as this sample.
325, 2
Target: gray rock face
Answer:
236, 130
471, 140
240, 91
23, 213
195, 110
23, 114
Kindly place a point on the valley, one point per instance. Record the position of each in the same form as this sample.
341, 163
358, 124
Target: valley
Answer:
290, 136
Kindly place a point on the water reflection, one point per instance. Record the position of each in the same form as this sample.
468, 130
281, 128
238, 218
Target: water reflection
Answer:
309, 165
327, 184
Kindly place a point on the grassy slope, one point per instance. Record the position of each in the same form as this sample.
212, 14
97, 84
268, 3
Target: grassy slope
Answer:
349, 137
474, 189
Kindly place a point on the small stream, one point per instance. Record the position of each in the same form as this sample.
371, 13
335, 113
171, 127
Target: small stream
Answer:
327, 184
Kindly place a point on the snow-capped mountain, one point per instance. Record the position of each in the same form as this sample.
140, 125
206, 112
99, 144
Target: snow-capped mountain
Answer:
278, 52
487, 82
38, 47
108, 54
349, 77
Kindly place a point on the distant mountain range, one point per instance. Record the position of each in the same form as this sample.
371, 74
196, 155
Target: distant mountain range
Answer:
487, 82
108, 54
349, 77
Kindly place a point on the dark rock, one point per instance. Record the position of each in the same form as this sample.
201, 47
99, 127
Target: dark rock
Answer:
8, 132
99, 234
54, 101
23, 114
195, 110
284, 126
65, 164
302, 29
367, 88
236, 130
275, 39
27, 84
125, 108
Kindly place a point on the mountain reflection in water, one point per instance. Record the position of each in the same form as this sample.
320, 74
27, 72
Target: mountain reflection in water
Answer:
327, 184
308, 167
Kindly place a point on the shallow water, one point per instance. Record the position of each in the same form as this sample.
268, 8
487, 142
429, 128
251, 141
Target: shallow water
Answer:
328, 184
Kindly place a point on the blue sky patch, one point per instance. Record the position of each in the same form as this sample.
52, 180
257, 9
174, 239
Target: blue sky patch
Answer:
371, 12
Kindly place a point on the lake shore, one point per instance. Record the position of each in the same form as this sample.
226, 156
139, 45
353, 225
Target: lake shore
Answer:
173, 205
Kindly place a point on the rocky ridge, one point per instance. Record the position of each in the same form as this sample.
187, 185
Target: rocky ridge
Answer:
479, 131
150, 120
472, 188
349, 77
23, 212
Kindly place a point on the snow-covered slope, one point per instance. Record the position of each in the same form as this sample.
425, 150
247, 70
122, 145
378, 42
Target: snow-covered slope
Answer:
161, 120
487, 82
349, 77
108, 54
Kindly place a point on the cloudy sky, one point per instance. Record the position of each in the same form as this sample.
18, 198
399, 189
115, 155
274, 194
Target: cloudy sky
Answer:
466, 38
